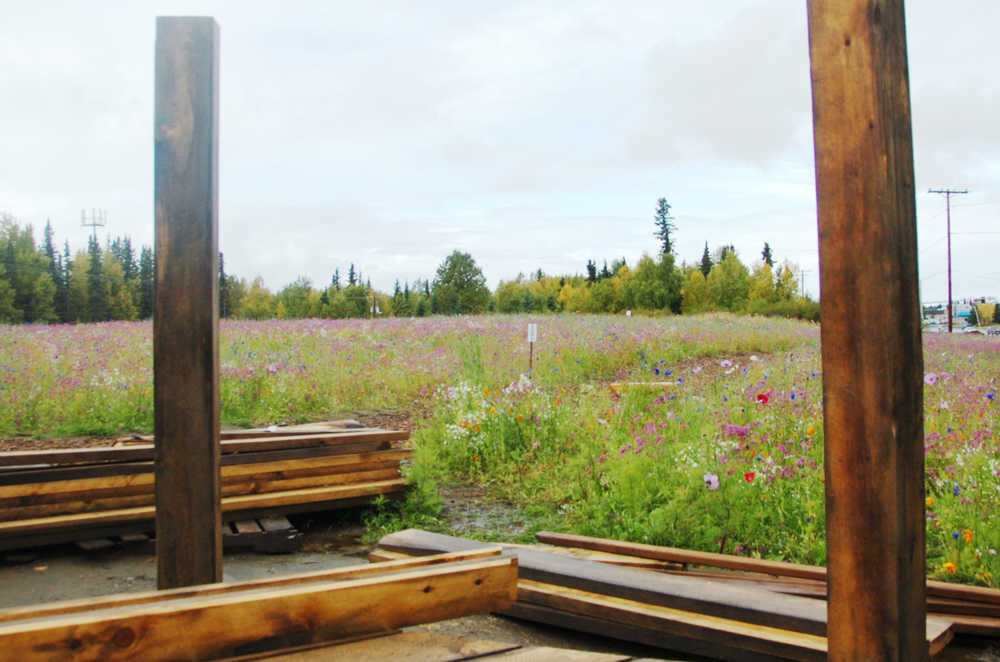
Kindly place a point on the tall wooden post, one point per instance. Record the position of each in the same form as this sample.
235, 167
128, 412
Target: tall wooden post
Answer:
186, 321
872, 357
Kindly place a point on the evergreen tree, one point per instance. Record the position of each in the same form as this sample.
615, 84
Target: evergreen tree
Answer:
706, 262
767, 256
147, 282
62, 287
605, 272
97, 295
996, 313
335, 281
351, 276
459, 286
664, 226
591, 272
57, 274
225, 304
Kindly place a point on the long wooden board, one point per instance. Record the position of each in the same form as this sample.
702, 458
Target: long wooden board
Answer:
144, 452
778, 568
227, 624
755, 606
229, 504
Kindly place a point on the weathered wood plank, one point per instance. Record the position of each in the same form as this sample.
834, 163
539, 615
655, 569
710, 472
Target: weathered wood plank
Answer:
206, 590
755, 606
377, 439
207, 627
777, 568
404, 647
229, 504
714, 650
691, 625
872, 367
185, 318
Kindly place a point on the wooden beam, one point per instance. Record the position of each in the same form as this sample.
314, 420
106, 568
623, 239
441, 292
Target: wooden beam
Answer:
210, 626
936, 588
186, 313
871, 345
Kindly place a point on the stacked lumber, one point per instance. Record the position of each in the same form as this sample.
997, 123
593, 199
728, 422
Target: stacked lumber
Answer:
60, 495
239, 619
689, 613
971, 609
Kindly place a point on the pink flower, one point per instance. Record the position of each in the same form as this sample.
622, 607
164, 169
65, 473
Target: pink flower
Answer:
930, 379
711, 481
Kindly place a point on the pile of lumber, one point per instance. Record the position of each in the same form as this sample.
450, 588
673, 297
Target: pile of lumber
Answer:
270, 616
746, 613
60, 495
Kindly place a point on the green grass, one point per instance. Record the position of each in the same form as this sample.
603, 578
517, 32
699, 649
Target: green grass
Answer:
728, 456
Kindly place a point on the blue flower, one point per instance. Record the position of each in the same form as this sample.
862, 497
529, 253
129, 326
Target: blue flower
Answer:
954, 492
667, 373
791, 395
955, 535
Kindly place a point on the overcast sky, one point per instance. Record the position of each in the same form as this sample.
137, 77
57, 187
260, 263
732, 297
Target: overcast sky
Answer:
530, 134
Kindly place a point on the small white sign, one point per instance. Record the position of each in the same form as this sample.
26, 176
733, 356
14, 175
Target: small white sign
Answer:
532, 333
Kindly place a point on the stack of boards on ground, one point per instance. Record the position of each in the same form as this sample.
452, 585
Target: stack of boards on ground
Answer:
658, 599
62, 495
273, 618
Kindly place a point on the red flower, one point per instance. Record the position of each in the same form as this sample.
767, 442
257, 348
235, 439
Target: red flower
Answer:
749, 476
762, 398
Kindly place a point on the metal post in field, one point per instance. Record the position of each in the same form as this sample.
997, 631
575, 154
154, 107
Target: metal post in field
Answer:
871, 344
185, 317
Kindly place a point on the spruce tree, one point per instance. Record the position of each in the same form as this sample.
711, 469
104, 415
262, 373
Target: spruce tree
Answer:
225, 304
335, 281
664, 226
351, 276
767, 256
97, 295
591, 272
147, 282
706, 262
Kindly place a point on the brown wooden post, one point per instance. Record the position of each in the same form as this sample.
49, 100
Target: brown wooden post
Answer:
186, 320
872, 356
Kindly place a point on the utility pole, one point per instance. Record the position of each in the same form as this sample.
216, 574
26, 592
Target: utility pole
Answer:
947, 193
98, 219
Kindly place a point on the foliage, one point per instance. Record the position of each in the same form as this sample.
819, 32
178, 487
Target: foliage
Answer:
724, 453
664, 226
459, 286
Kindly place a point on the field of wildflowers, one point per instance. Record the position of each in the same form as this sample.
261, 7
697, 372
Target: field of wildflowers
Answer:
725, 453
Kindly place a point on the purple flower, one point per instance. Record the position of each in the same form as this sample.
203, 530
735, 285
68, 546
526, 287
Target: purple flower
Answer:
930, 379
711, 481
991, 395
740, 431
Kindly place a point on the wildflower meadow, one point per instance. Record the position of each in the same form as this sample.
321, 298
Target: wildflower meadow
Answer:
697, 431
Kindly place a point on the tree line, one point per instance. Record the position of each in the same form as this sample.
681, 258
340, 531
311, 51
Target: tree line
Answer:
39, 283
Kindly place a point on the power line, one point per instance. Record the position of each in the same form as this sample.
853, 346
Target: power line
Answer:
947, 192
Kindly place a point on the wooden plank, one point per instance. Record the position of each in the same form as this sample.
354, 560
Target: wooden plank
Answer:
207, 627
185, 318
714, 650
738, 634
378, 555
872, 367
777, 568
734, 634
145, 452
330, 575
229, 504
687, 593
402, 647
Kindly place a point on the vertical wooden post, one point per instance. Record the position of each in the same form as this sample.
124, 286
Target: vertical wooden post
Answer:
872, 356
186, 320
